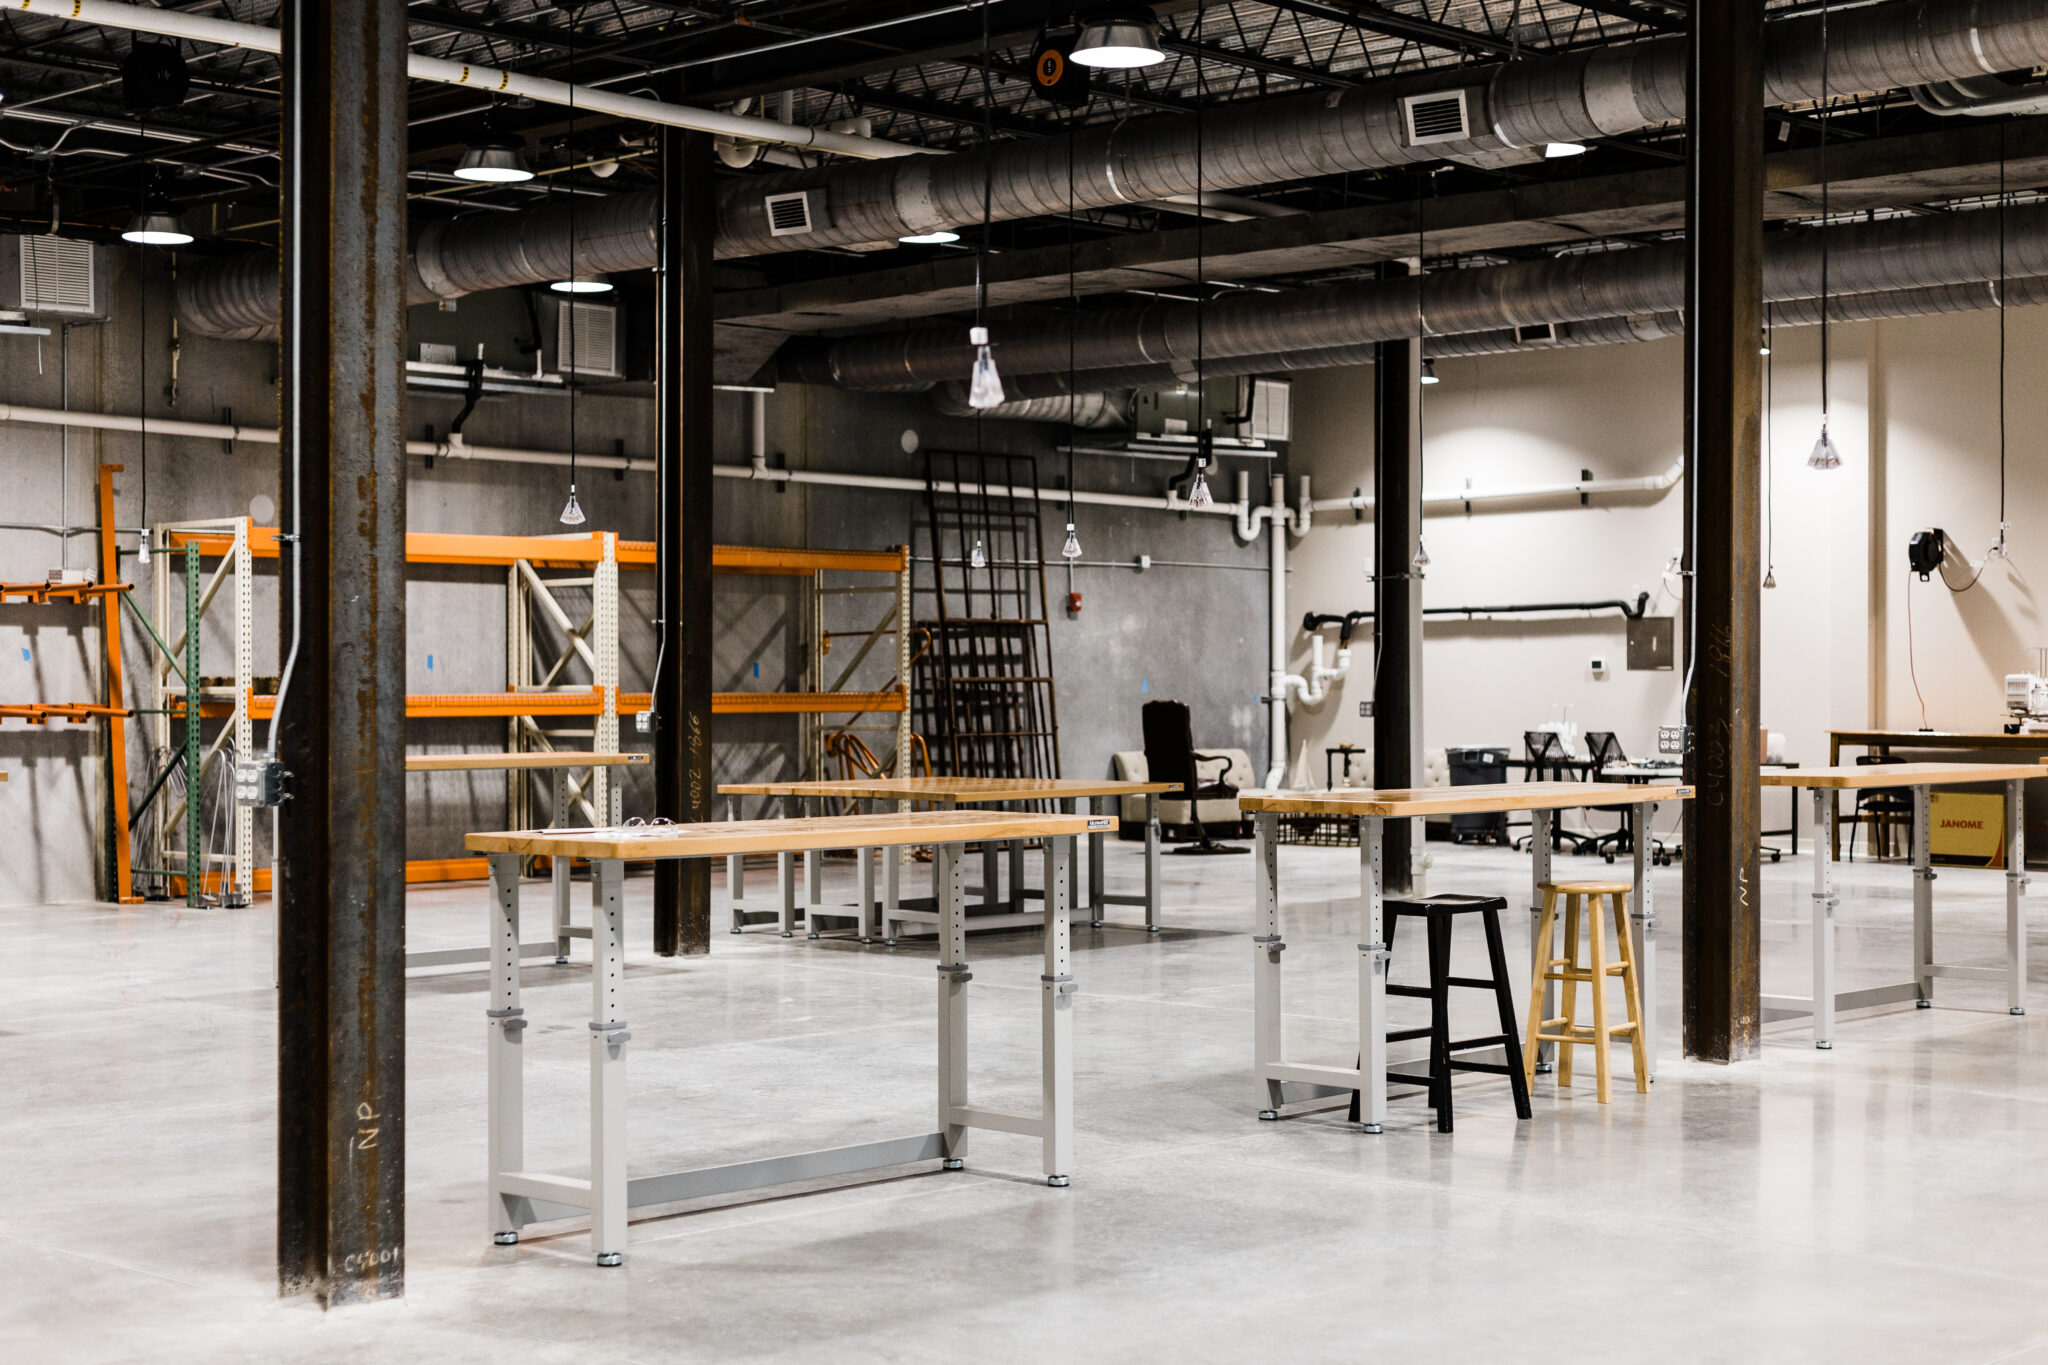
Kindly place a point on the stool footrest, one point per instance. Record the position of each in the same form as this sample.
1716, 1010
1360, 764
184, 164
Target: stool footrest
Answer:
1409, 1078
1491, 1068
1407, 1035
1473, 983
1409, 992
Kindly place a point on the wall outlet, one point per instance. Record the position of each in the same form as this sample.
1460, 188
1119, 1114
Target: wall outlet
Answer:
1365, 710
643, 722
1598, 664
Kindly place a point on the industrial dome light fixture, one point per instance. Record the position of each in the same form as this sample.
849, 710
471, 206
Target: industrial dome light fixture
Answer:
1554, 150
494, 160
1429, 375
936, 237
1119, 38
159, 222
582, 284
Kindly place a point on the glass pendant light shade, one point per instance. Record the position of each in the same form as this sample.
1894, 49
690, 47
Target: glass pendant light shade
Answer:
1429, 372
985, 388
1072, 549
1770, 578
159, 223
142, 549
494, 161
1421, 555
1824, 455
1118, 39
977, 560
1198, 494
572, 510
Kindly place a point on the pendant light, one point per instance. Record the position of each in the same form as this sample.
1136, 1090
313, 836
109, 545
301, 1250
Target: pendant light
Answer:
1770, 455
494, 161
984, 386
1118, 38
1429, 374
1824, 454
1555, 150
936, 237
581, 284
977, 560
159, 222
1071, 550
1198, 493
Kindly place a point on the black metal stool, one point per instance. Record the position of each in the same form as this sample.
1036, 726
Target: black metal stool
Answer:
1438, 913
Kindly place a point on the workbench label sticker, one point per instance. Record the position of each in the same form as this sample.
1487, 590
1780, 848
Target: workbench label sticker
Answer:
1098, 824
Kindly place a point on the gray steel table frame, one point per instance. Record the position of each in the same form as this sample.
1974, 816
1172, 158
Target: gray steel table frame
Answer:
517, 1197
876, 916
1826, 1000
556, 947
1271, 1073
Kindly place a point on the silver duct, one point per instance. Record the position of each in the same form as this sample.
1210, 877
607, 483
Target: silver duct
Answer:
1097, 411
1518, 104
1903, 253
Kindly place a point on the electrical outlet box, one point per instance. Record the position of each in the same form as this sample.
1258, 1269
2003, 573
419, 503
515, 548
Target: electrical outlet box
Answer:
643, 722
1365, 710
1672, 740
261, 782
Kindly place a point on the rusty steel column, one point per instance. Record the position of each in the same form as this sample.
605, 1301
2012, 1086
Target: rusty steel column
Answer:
1397, 585
341, 859
682, 693
1723, 1005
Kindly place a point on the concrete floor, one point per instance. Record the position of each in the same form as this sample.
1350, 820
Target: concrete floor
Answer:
1881, 1202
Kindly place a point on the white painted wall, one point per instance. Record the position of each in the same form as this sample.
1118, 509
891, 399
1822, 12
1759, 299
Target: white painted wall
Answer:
1542, 417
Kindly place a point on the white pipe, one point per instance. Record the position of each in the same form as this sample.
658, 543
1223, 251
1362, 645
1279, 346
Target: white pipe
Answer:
457, 449
1649, 483
226, 33
1277, 683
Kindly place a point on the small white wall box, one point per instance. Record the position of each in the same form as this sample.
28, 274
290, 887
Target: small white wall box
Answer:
68, 578
1598, 663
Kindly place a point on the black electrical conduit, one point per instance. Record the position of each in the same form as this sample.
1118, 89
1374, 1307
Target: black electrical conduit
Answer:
1632, 610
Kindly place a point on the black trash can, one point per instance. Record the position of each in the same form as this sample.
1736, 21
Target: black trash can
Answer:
1474, 767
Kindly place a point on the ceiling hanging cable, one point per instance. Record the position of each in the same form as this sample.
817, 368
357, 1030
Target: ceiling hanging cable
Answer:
1770, 454
984, 386
572, 510
142, 379
1428, 371
1824, 454
1998, 550
1071, 550
1205, 438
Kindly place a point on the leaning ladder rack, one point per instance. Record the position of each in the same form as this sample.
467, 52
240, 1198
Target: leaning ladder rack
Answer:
987, 692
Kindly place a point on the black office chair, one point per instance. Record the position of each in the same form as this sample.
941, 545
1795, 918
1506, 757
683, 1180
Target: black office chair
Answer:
1548, 760
1170, 757
1882, 806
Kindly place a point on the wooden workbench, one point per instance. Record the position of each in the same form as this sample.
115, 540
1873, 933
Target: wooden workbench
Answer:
1920, 778
801, 797
517, 1196
1941, 741
1372, 809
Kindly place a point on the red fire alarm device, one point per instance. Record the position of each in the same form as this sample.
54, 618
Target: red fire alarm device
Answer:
1073, 604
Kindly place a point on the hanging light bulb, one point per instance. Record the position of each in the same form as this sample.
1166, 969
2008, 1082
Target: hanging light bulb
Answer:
1072, 549
572, 510
1429, 372
1198, 495
985, 389
977, 560
1824, 455
1421, 555
1771, 578
142, 549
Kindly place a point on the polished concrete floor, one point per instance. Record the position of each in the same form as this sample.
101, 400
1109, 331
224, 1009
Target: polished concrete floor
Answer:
1882, 1202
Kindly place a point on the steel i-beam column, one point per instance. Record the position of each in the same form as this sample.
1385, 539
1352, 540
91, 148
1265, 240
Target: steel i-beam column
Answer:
1397, 584
341, 856
682, 702
1724, 304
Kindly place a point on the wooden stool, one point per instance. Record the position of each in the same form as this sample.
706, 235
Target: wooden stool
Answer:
1564, 1030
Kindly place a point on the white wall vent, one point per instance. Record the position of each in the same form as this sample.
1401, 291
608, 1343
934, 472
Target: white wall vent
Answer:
1272, 409
587, 339
1536, 334
1439, 116
57, 276
438, 353
795, 213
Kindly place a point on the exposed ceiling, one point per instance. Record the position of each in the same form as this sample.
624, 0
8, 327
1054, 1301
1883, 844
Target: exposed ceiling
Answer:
921, 71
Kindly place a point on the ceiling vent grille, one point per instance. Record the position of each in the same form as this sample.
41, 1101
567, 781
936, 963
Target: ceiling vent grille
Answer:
793, 214
587, 339
1536, 334
1440, 116
57, 276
